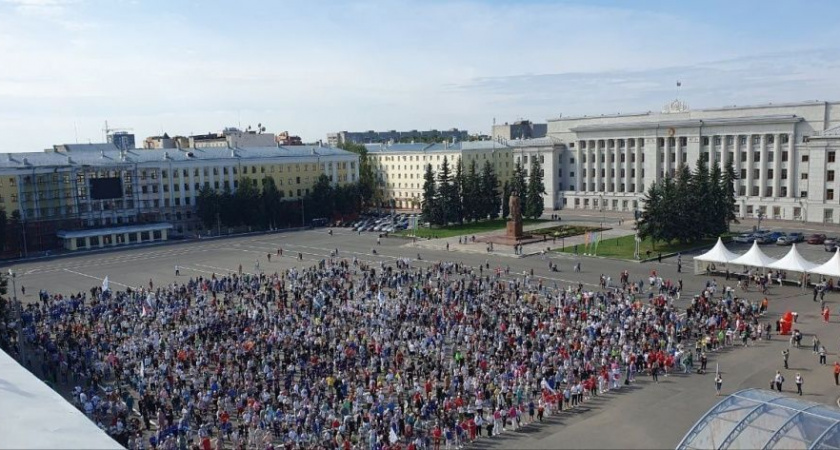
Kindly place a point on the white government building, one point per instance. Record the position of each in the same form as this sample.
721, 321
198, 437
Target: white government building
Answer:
785, 156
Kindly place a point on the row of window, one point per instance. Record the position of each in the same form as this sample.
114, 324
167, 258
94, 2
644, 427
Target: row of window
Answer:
682, 141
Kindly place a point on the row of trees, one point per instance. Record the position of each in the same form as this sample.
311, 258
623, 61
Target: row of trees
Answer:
690, 205
473, 195
266, 208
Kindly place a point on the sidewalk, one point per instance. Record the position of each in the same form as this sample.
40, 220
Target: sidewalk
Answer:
527, 249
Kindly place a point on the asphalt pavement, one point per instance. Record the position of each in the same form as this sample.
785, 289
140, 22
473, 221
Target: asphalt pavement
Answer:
644, 415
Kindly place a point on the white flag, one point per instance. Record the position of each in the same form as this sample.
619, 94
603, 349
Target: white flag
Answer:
393, 436
381, 298
105, 287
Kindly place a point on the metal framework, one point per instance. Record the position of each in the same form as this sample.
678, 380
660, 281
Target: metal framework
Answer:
787, 419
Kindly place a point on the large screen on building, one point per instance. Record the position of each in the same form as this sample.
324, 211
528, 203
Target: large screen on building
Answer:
105, 188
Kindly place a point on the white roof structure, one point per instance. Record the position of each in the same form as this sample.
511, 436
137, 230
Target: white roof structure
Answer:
830, 268
36, 417
794, 262
718, 254
754, 258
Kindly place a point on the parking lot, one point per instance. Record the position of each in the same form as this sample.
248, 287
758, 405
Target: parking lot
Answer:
814, 252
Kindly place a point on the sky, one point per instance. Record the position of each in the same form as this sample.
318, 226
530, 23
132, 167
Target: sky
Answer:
313, 67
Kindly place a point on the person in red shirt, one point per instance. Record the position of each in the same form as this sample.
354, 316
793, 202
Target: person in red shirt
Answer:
436, 434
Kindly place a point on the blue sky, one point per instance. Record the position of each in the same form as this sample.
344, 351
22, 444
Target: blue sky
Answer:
312, 67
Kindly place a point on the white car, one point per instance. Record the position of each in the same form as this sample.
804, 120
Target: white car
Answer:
746, 238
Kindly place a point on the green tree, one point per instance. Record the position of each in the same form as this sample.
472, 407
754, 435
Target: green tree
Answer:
447, 196
534, 206
471, 197
458, 186
247, 203
727, 182
518, 184
320, 201
488, 192
367, 187
506, 190
207, 206
429, 206
717, 198
683, 223
271, 199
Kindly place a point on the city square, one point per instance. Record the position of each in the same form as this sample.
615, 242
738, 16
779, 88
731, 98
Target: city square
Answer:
641, 415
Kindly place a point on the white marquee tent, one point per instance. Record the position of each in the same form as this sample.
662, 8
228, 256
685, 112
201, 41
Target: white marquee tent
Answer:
830, 268
754, 258
718, 254
794, 262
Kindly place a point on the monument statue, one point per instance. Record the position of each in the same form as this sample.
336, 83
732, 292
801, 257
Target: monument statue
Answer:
514, 224
515, 206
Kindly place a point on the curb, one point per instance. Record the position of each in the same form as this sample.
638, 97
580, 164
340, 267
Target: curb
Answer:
171, 242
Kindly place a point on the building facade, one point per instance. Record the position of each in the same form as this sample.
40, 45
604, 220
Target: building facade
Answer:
121, 139
784, 154
52, 190
394, 136
399, 168
521, 129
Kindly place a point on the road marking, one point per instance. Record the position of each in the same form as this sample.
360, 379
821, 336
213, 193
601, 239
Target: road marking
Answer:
95, 278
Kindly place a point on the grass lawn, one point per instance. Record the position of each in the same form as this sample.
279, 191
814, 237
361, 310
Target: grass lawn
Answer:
623, 247
467, 228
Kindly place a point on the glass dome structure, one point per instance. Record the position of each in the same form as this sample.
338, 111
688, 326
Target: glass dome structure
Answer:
757, 418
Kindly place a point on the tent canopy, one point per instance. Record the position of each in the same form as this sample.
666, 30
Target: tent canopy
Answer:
718, 254
794, 262
754, 258
830, 268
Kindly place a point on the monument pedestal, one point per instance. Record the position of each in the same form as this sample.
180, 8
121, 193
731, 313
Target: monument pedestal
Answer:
514, 229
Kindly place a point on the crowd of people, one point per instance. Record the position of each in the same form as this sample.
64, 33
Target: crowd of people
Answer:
347, 354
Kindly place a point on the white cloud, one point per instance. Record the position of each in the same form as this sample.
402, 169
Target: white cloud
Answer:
311, 68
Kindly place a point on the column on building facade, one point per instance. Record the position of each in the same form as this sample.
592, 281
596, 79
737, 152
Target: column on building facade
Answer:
590, 156
627, 164
113, 238
791, 186
777, 165
87, 242
139, 236
713, 150
667, 169
750, 164
736, 161
678, 159
723, 153
578, 167
638, 164
763, 167
599, 152
125, 238
609, 153
617, 165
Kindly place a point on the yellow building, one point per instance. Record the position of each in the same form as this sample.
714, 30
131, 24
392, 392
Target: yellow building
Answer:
71, 187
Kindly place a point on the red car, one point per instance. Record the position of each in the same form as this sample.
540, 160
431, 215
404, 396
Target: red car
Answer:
816, 239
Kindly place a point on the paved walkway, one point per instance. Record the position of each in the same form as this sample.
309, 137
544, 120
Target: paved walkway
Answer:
625, 229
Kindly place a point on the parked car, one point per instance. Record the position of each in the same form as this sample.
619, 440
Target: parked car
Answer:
796, 237
830, 240
746, 238
830, 246
816, 239
787, 240
770, 238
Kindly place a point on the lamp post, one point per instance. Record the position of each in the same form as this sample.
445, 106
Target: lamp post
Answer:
302, 214
603, 216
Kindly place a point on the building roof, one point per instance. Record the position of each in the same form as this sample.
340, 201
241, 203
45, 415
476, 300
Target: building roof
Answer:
718, 108
757, 418
109, 155
35, 416
690, 123
831, 133
460, 146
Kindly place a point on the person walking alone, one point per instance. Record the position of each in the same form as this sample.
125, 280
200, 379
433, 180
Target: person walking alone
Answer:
799, 380
778, 380
718, 384
836, 373
785, 356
